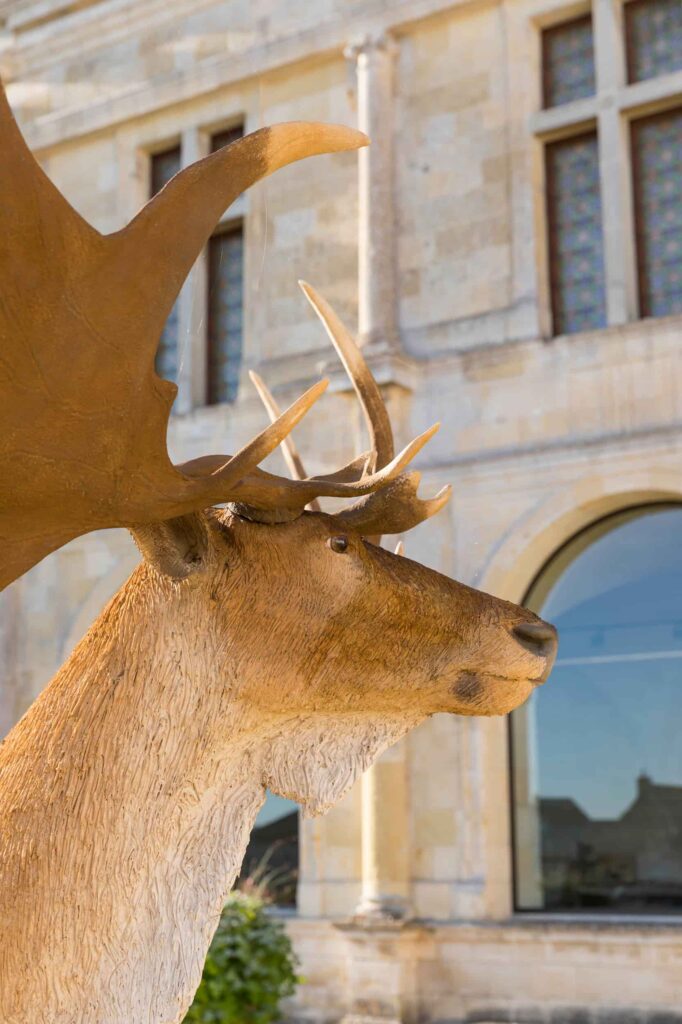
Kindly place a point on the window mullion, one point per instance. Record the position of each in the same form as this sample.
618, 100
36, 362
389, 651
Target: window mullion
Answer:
617, 218
614, 165
192, 324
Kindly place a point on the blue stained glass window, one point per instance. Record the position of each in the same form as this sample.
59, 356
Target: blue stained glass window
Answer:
657, 167
568, 62
653, 30
575, 235
597, 763
225, 313
163, 167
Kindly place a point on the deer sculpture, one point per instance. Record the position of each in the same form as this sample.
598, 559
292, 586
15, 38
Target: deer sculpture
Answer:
255, 646
265, 644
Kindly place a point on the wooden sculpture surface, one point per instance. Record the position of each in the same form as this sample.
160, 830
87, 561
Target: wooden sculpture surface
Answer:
261, 645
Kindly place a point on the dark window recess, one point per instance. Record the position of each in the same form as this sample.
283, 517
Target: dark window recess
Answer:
221, 139
657, 170
272, 856
163, 166
567, 62
653, 33
225, 312
224, 138
576, 261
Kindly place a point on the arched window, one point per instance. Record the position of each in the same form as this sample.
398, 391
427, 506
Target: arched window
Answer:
597, 752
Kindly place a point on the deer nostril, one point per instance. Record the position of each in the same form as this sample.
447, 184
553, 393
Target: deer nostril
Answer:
537, 637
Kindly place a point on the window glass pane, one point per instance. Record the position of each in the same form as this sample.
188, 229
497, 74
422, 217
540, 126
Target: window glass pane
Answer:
597, 759
271, 858
567, 62
225, 310
653, 31
225, 137
163, 166
657, 169
575, 234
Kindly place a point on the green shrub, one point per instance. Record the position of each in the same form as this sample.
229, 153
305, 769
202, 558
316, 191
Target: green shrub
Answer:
249, 969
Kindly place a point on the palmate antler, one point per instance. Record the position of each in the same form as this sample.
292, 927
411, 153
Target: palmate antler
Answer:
393, 506
83, 416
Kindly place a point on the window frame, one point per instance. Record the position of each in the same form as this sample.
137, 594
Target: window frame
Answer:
233, 225
544, 55
550, 213
638, 216
165, 149
195, 141
614, 106
629, 48
557, 561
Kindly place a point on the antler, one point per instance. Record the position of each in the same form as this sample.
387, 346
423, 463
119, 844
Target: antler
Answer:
366, 388
83, 416
395, 509
289, 450
392, 506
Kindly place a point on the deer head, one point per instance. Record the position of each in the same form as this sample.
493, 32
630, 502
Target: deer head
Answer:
334, 635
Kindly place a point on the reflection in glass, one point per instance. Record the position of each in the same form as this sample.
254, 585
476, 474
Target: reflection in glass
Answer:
597, 758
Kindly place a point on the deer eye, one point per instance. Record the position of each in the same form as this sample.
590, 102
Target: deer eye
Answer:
338, 544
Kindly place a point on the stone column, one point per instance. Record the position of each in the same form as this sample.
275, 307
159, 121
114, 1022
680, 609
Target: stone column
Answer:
385, 839
614, 166
373, 60
385, 872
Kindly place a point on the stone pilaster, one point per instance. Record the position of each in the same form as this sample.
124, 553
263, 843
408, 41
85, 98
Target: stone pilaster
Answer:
192, 305
385, 830
385, 857
373, 58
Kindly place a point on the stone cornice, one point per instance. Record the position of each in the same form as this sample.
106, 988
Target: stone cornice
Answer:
325, 39
21, 17
95, 26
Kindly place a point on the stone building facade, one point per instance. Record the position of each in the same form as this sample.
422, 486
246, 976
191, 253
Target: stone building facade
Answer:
457, 249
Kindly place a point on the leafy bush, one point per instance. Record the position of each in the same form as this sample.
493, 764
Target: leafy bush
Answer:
249, 969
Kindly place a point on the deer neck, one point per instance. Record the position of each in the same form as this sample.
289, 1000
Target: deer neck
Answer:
127, 796
124, 818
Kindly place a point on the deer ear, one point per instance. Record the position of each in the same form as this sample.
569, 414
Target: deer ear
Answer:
175, 547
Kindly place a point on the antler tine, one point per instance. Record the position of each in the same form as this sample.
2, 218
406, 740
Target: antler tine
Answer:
169, 232
366, 388
218, 478
31, 205
289, 450
229, 470
395, 509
